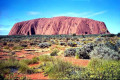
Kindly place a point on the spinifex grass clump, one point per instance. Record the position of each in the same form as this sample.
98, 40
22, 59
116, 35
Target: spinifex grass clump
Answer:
59, 69
15, 76
55, 69
6, 66
11, 65
17, 48
30, 61
102, 70
45, 58
6, 47
23, 67
54, 52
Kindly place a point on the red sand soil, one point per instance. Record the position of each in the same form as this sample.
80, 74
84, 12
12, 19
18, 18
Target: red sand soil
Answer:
34, 75
37, 76
55, 46
3, 55
79, 62
23, 52
33, 65
28, 56
31, 76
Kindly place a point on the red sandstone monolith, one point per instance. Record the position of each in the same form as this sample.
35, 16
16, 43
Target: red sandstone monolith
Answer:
59, 25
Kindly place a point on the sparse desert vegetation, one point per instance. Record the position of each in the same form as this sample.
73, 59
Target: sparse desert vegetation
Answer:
60, 57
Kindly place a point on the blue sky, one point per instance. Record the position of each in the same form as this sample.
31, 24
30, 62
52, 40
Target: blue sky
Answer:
13, 11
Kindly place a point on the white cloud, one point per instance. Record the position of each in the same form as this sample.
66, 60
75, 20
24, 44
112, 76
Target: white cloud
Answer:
83, 14
5, 29
33, 13
95, 14
72, 14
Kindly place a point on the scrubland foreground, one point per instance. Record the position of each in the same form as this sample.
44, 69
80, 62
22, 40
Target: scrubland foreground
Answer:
62, 57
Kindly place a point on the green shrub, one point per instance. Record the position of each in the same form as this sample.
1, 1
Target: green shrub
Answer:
14, 76
98, 39
72, 44
84, 51
26, 61
10, 45
45, 58
117, 45
108, 35
35, 60
103, 70
118, 34
77, 56
6, 47
4, 43
30, 61
5, 66
70, 52
57, 69
44, 45
23, 67
103, 52
97, 69
24, 45
54, 52
74, 34
33, 43
18, 48
2, 77
83, 36
62, 43
52, 41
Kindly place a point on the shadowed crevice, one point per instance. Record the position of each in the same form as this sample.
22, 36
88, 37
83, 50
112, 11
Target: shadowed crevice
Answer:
28, 33
32, 31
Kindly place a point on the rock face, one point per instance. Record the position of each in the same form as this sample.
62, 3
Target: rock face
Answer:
59, 25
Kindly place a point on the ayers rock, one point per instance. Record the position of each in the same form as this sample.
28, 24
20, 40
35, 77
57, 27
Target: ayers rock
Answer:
59, 25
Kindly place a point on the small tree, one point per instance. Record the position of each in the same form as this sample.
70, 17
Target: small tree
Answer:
74, 34
118, 34
83, 36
